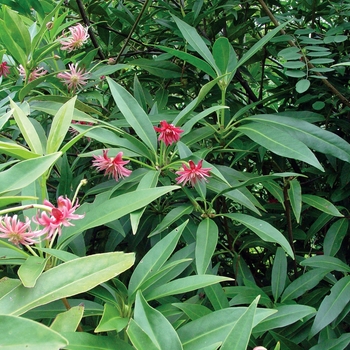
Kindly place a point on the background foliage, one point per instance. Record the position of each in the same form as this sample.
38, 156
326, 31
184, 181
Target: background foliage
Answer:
258, 255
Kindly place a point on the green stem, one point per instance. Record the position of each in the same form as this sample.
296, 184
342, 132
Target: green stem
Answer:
222, 111
25, 207
31, 250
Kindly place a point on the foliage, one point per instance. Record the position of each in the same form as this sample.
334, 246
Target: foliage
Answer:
181, 172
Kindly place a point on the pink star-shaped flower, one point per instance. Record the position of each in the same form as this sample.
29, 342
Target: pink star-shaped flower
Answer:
112, 165
168, 133
193, 173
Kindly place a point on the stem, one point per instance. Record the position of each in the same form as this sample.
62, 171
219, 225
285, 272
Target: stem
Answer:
145, 5
31, 250
222, 112
81, 183
25, 207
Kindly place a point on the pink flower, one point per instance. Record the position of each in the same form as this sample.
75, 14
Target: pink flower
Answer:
17, 232
259, 348
168, 133
60, 215
79, 36
74, 79
4, 70
193, 174
112, 166
36, 73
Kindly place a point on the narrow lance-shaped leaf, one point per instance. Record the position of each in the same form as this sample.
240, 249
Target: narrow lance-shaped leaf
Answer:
326, 262
134, 114
294, 193
334, 237
263, 229
67, 279
332, 305
60, 125
321, 204
279, 273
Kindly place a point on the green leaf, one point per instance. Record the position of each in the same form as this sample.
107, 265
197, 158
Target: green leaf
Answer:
28, 335
139, 338
326, 262
171, 217
60, 125
294, 194
334, 237
70, 278
183, 285
279, 142
17, 151
193, 311
111, 320
193, 38
85, 341
260, 44
295, 73
239, 336
311, 135
27, 129
162, 69
332, 305
112, 209
134, 114
215, 327
294, 64
206, 241
4, 118
263, 229
154, 260
30, 270
155, 325
321, 204
340, 343
69, 320
304, 283
286, 315
279, 273
24, 173
302, 86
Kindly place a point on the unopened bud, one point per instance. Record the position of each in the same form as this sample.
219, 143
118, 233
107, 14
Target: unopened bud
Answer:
49, 25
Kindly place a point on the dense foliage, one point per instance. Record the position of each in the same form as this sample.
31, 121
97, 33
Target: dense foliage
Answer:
174, 174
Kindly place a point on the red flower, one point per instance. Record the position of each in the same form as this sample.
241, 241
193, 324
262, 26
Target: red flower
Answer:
193, 174
168, 133
4, 70
17, 232
112, 166
60, 215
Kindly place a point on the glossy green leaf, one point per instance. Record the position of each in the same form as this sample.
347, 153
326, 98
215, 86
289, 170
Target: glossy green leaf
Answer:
294, 64
239, 336
60, 125
30, 270
4, 118
20, 333
321, 204
163, 69
155, 325
86, 341
111, 320
112, 209
294, 194
17, 151
69, 320
334, 237
134, 114
27, 129
326, 262
263, 229
139, 338
340, 343
332, 305
285, 315
279, 273
171, 217
302, 85
246, 294
24, 173
279, 142
70, 278
215, 327
311, 135
193, 311
154, 260
193, 38
183, 285
302, 284
206, 241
